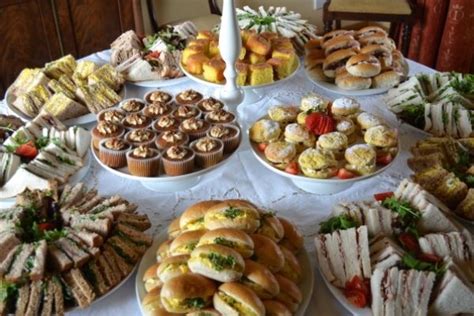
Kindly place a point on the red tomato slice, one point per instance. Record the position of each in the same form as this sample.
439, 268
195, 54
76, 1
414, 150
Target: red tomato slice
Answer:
345, 174
382, 196
292, 168
429, 257
384, 159
357, 298
358, 284
27, 150
45, 226
262, 147
409, 242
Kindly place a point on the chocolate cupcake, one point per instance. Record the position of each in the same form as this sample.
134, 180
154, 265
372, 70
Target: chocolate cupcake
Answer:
141, 137
105, 130
136, 121
156, 110
113, 152
166, 123
178, 160
143, 161
220, 117
186, 111
111, 115
171, 138
195, 128
132, 105
210, 104
209, 151
228, 133
158, 96
188, 97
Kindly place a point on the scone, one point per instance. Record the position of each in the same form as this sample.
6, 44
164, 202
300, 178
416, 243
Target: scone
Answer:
367, 120
314, 102
361, 158
298, 135
265, 130
381, 136
345, 107
280, 153
348, 128
315, 163
283, 114
346, 81
335, 143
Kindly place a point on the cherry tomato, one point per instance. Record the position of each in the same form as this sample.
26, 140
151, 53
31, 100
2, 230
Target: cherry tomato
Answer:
409, 242
384, 159
357, 298
27, 150
345, 174
262, 147
429, 257
358, 284
382, 196
292, 168
45, 226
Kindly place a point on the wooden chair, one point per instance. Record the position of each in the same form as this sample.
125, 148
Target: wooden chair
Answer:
401, 13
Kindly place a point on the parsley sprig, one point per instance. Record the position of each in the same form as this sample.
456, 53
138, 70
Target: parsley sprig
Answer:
340, 222
411, 262
408, 215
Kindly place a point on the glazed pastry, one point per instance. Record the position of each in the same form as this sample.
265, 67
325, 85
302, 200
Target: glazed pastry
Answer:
158, 97
171, 138
315, 163
367, 120
188, 97
141, 137
105, 130
132, 105
381, 136
228, 133
314, 102
361, 158
335, 142
136, 121
348, 128
113, 152
210, 104
178, 160
156, 110
209, 151
280, 153
143, 161
194, 128
264, 131
186, 111
298, 135
166, 123
111, 115
220, 117
283, 114
345, 107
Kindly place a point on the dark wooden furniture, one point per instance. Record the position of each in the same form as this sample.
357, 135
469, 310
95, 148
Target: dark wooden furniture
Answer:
405, 21
33, 32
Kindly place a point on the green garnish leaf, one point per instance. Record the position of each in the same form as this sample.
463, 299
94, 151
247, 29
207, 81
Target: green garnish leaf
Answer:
224, 242
407, 214
411, 262
221, 262
7, 290
195, 302
233, 212
42, 142
66, 160
340, 222
54, 234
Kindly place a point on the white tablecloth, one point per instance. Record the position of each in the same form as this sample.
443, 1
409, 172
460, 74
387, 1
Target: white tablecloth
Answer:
244, 177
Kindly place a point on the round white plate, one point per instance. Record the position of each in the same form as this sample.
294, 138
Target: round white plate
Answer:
331, 87
306, 285
81, 120
159, 83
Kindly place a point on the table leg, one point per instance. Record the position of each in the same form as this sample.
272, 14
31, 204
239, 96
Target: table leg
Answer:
327, 26
338, 24
406, 38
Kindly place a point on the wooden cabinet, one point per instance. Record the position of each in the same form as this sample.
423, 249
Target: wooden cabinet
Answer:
33, 32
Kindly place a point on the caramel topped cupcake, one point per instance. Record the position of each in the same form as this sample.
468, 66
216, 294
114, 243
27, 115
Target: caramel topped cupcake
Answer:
111, 115
132, 105
112, 152
158, 96
105, 130
136, 120
143, 152
206, 144
195, 128
178, 160
210, 104
155, 110
188, 97
166, 123
171, 138
228, 133
209, 151
186, 111
140, 137
143, 161
220, 117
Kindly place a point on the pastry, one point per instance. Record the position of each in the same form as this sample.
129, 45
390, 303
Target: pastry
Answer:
111, 115
188, 97
363, 65
178, 160
209, 151
265, 130
381, 136
381, 52
299, 135
361, 158
194, 128
258, 44
141, 137
313, 102
171, 138
132, 105
195, 63
348, 128
260, 74
280, 153
158, 96
213, 70
143, 162
220, 117
346, 41
367, 120
386, 79
345, 107
136, 121
166, 123
210, 104
346, 81
336, 60
242, 73
186, 111
156, 110
334, 142
228, 133
113, 152
315, 163
283, 114
105, 130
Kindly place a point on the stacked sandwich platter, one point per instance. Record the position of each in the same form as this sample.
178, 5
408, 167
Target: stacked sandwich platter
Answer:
237, 257
63, 249
323, 148
355, 63
397, 255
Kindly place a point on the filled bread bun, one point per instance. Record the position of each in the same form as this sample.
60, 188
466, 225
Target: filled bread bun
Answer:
314, 43
163, 250
172, 267
271, 227
346, 81
330, 35
276, 308
290, 294
370, 30
187, 293
217, 262
378, 38
150, 278
235, 299
173, 228
292, 240
233, 214
193, 217
292, 268
387, 79
363, 65
152, 305
268, 253
229, 237
205, 312
185, 243
260, 279
382, 53
341, 42
336, 60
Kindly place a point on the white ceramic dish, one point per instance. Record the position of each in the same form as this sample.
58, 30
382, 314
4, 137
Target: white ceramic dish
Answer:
159, 83
306, 285
332, 88
81, 120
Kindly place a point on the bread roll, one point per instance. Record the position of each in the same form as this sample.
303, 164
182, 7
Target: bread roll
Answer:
174, 229
152, 305
363, 65
150, 278
293, 240
185, 243
387, 79
336, 60
193, 217
330, 35
245, 300
172, 267
276, 308
268, 253
229, 237
233, 214
260, 279
271, 227
292, 268
341, 42
346, 81
290, 295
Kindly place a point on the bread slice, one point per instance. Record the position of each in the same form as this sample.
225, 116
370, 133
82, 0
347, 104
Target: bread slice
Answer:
8, 241
22, 300
73, 251
58, 258
82, 291
18, 265
111, 277
95, 277
385, 253
118, 264
58, 308
138, 221
35, 298
48, 299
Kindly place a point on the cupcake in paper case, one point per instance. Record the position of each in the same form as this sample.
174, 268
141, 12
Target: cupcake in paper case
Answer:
136, 121
229, 134
113, 152
132, 105
209, 151
105, 130
158, 96
220, 117
171, 138
143, 161
195, 128
155, 110
111, 115
183, 112
178, 160
166, 123
141, 137
189, 96
210, 104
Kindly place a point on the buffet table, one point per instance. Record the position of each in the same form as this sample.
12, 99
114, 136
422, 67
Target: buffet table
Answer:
243, 177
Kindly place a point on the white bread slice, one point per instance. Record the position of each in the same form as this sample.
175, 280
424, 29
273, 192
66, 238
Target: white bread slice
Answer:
323, 258
336, 258
22, 180
385, 253
350, 250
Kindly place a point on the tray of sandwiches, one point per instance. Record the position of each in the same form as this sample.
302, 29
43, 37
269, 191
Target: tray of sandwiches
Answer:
355, 63
226, 258
73, 91
444, 167
154, 60
63, 249
265, 59
323, 147
42, 153
399, 254
440, 104
166, 141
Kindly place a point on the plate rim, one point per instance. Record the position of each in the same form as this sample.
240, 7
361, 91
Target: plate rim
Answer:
159, 83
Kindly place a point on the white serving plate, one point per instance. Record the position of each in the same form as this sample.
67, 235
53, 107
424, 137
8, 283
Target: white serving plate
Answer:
81, 120
159, 83
306, 285
333, 88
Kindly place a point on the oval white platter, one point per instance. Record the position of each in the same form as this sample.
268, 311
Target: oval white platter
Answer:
306, 285
81, 120
159, 83
333, 88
